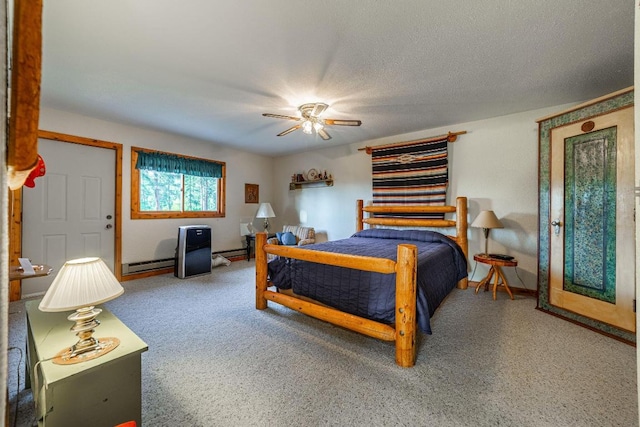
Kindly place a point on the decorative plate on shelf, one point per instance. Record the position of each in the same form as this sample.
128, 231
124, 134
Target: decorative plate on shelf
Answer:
312, 175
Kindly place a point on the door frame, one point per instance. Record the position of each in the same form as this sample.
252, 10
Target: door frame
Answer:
15, 206
606, 104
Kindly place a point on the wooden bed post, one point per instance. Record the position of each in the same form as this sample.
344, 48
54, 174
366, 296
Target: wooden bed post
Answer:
461, 234
261, 271
406, 276
461, 224
359, 215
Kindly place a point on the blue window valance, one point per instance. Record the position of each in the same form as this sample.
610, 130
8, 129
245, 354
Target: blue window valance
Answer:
163, 162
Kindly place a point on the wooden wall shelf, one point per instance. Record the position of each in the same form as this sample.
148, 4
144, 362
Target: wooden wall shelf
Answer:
316, 183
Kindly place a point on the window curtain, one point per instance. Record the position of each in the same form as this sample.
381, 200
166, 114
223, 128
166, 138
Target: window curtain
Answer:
162, 162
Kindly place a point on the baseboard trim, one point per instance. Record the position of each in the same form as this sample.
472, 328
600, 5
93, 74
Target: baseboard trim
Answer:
161, 271
575, 322
144, 274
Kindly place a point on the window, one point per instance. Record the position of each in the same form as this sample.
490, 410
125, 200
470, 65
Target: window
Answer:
166, 185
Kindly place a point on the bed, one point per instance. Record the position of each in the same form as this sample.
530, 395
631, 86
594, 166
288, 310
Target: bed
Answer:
382, 282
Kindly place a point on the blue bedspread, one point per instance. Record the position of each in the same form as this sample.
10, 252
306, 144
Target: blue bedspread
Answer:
441, 264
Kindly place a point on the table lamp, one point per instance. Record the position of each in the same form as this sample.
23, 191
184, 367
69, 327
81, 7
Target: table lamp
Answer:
80, 285
486, 220
265, 211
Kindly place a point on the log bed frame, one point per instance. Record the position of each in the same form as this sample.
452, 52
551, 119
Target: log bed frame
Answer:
405, 268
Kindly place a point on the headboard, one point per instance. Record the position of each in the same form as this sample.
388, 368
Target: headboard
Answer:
393, 218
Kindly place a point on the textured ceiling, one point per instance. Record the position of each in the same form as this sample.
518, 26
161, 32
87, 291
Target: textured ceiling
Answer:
208, 69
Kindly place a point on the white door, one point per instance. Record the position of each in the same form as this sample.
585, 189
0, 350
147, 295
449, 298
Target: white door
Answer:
70, 212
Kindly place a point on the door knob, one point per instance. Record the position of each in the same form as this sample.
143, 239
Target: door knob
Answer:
108, 226
556, 226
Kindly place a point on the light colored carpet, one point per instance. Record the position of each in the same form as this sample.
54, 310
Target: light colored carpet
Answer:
214, 360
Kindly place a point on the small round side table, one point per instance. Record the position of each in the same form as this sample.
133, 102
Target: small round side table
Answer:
496, 271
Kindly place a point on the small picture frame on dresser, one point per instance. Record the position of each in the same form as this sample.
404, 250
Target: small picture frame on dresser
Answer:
251, 193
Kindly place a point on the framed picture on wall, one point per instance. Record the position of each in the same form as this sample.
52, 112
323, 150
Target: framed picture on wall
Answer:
251, 193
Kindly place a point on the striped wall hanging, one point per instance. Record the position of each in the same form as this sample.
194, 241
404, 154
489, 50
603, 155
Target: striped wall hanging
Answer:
411, 173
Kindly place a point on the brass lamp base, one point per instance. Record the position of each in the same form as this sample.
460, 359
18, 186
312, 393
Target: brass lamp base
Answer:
70, 356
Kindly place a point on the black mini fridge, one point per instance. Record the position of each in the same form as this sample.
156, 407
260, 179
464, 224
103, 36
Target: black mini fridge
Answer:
193, 253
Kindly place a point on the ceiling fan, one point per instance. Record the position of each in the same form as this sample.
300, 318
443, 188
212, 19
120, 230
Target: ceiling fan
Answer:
310, 120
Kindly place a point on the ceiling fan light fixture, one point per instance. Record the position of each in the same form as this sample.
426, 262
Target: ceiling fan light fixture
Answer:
307, 127
309, 120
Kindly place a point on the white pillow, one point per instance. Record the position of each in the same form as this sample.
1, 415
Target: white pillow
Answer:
219, 260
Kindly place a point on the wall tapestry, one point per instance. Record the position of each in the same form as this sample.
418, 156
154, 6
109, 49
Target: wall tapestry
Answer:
412, 174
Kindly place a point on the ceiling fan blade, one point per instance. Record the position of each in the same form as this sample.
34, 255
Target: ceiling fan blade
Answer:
280, 116
318, 109
323, 134
291, 129
338, 122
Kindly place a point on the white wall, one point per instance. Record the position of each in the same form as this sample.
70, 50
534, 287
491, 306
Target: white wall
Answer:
147, 239
495, 165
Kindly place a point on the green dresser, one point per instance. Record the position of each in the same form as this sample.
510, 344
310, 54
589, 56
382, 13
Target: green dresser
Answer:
105, 391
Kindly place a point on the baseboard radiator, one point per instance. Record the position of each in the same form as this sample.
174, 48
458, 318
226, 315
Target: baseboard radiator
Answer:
144, 266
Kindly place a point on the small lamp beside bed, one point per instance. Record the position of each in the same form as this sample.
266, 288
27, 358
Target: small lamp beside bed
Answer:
486, 220
265, 211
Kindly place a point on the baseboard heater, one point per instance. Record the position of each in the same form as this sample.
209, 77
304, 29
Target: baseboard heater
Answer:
143, 266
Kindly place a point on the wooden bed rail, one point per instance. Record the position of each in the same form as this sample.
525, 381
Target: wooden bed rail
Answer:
358, 262
349, 321
405, 268
411, 222
408, 209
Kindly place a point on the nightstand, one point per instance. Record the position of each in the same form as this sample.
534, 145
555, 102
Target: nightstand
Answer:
102, 392
252, 238
495, 270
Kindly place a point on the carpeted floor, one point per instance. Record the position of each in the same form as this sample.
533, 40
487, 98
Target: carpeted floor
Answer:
214, 360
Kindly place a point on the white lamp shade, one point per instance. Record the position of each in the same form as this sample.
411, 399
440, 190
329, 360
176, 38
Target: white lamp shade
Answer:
265, 211
80, 283
487, 219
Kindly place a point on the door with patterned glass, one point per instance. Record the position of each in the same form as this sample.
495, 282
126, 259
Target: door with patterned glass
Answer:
591, 225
